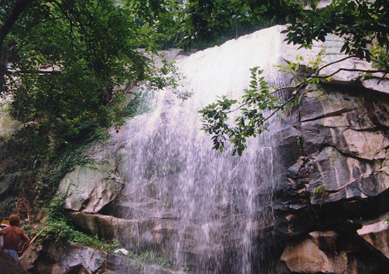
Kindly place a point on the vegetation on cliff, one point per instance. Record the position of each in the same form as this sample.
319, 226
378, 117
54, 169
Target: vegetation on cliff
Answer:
67, 66
68, 63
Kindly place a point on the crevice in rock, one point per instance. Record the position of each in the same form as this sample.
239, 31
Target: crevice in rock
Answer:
326, 115
84, 204
346, 154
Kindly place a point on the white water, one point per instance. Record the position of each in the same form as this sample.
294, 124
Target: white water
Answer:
211, 204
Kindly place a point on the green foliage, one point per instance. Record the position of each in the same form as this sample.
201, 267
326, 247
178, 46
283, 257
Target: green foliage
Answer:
362, 121
160, 19
380, 56
7, 207
41, 163
67, 59
56, 211
206, 22
251, 120
28, 228
358, 22
149, 257
319, 191
59, 230
313, 68
256, 101
70, 156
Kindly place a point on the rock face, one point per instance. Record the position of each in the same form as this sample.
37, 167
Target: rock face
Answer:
339, 182
95, 188
323, 212
6, 267
72, 258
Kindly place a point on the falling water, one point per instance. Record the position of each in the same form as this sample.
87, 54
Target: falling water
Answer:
208, 209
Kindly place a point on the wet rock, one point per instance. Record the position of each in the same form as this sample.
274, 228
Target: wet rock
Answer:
135, 234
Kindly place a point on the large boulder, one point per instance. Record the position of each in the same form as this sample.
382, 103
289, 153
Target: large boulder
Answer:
376, 233
7, 266
332, 252
89, 189
72, 258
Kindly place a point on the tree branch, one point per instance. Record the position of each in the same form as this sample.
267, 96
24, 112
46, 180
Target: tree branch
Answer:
301, 86
20, 6
332, 63
356, 70
42, 72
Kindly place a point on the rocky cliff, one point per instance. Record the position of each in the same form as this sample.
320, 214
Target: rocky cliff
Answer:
323, 212
332, 204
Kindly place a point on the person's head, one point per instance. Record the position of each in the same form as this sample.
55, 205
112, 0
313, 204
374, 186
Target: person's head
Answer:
14, 220
4, 224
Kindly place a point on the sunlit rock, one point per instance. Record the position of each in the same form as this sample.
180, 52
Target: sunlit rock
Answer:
307, 257
367, 145
89, 189
377, 234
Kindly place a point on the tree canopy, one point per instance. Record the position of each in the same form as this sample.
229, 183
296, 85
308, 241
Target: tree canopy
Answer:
63, 60
359, 22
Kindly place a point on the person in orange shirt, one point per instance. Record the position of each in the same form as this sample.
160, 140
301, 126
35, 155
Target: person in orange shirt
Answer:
12, 236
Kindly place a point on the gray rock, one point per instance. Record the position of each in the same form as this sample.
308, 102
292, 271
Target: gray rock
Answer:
376, 233
89, 189
7, 267
74, 258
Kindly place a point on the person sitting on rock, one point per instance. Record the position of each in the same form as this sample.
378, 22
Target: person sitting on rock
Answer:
12, 237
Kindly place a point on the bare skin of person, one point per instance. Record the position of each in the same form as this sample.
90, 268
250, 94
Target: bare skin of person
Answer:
13, 235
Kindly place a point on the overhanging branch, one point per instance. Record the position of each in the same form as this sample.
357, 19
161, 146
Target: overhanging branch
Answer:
20, 6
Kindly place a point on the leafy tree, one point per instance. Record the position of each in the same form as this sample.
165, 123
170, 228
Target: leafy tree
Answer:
359, 22
251, 120
206, 21
362, 25
63, 60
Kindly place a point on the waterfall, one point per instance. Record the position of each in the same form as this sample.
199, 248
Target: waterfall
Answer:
207, 208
